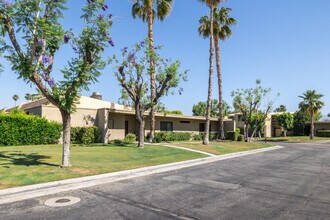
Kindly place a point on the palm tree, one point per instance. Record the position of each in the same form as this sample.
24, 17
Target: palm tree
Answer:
312, 105
147, 11
212, 4
15, 98
222, 31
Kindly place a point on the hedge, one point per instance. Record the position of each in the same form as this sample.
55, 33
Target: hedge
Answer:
172, 136
21, 129
200, 136
232, 135
323, 133
85, 135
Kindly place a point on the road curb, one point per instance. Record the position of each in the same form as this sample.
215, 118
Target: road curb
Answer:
28, 192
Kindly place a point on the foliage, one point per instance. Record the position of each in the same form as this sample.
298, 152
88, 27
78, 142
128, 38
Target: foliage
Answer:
85, 135
33, 97
240, 137
281, 108
173, 112
200, 136
232, 135
130, 138
323, 133
199, 109
328, 115
18, 128
285, 120
133, 76
258, 121
172, 136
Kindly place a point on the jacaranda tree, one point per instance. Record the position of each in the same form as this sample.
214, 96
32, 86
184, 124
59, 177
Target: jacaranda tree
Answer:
133, 76
32, 32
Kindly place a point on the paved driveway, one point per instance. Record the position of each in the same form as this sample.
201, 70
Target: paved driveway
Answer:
289, 183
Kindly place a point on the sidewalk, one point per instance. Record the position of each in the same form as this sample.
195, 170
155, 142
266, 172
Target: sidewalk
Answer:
38, 190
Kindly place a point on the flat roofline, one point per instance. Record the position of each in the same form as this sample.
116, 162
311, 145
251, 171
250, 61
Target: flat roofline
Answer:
128, 112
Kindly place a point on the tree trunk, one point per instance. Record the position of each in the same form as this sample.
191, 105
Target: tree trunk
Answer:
284, 133
206, 140
152, 71
246, 132
221, 134
312, 126
66, 119
140, 119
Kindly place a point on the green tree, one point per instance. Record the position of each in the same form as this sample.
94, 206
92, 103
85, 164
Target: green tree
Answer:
328, 115
33, 34
285, 120
248, 102
281, 108
258, 123
199, 109
212, 4
147, 11
33, 97
15, 98
311, 104
221, 31
173, 112
132, 72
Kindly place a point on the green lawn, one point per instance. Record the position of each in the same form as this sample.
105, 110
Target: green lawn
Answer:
25, 165
224, 147
304, 139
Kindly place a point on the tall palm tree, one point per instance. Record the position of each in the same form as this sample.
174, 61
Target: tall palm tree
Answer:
311, 104
212, 4
15, 98
222, 31
147, 11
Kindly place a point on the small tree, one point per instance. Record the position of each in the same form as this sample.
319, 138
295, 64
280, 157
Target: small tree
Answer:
199, 109
248, 102
133, 76
15, 98
35, 34
281, 108
285, 120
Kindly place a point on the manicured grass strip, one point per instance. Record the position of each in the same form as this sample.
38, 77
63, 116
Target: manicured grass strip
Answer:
25, 165
298, 139
225, 147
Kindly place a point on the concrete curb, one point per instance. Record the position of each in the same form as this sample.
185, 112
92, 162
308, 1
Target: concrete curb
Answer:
43, 189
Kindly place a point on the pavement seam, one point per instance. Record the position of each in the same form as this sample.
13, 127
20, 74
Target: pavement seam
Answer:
43, 189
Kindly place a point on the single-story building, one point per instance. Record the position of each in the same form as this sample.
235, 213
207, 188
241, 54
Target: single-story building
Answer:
115, 121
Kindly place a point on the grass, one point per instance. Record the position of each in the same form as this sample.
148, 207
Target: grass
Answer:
224, 147
25, 165
298, 139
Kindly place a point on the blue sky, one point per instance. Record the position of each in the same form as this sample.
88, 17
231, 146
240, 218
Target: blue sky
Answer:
283, 43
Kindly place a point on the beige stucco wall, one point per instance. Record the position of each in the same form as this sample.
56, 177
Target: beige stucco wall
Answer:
321, 126
116, 126
81, 118
35, 111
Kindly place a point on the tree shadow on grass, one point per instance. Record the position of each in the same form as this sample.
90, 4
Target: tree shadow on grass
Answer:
21, 159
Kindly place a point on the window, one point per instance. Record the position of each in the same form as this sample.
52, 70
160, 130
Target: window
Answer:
166, 126
185, 122
202, 127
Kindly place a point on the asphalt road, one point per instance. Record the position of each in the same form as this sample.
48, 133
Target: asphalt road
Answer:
289, 183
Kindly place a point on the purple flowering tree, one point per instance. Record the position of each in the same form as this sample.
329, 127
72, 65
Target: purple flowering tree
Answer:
32, 34
133, 75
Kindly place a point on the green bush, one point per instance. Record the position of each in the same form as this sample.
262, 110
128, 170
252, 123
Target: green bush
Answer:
238, 131
172, 136
323, 133
85, 135
240, 137
200, 136
232, 135
17, 128
130, 138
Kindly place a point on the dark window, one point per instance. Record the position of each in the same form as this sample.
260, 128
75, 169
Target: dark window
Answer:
166, 126
185, 122
202, 127
126, 128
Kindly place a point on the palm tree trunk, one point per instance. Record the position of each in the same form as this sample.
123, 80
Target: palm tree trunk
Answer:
66, 119
206, 140
221, 134
312, 126
152, 71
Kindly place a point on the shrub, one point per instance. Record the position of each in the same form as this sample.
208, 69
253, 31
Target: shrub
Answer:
118, 142
17, 128
200, 136
85, 135
172, 136
130, 138
238, 131
240, 137
323, 133
232, 135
